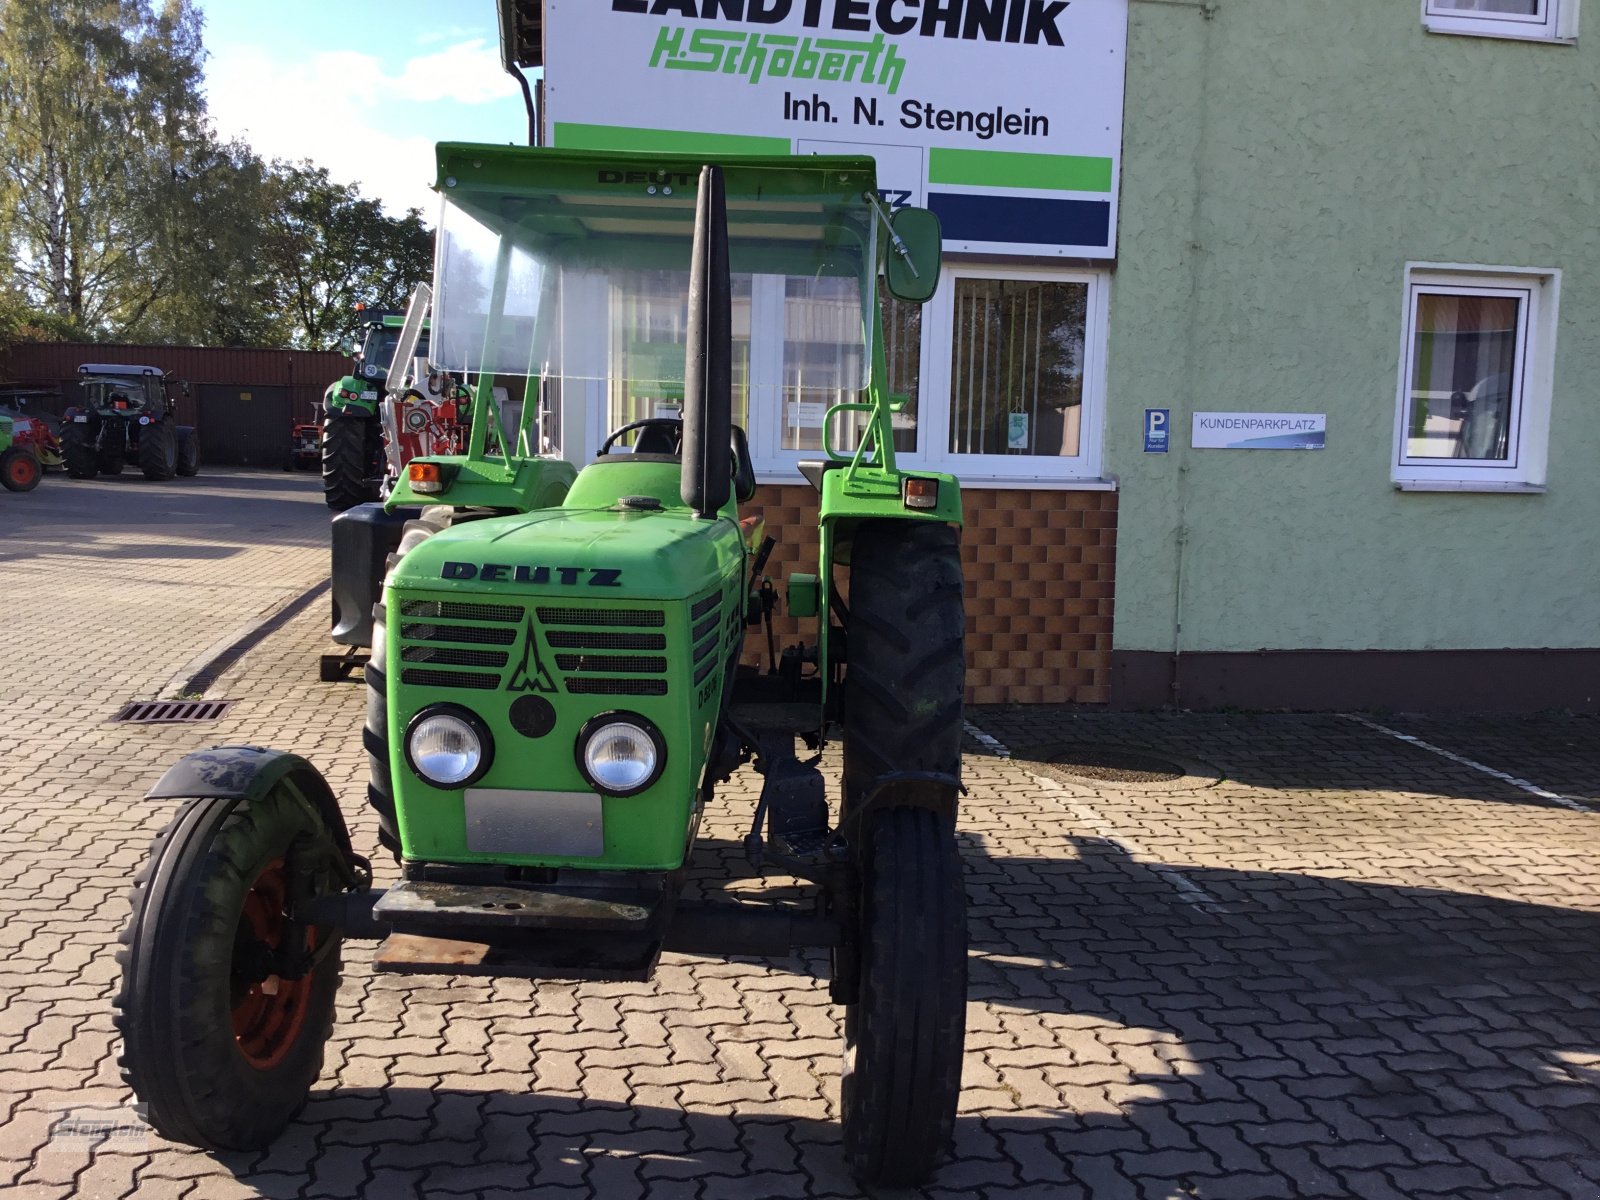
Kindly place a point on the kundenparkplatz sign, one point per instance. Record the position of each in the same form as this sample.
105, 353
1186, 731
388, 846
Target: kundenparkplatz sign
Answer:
1003, 116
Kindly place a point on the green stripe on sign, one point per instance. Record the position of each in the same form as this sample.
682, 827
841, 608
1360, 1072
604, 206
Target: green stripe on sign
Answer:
1009, 168
663, 141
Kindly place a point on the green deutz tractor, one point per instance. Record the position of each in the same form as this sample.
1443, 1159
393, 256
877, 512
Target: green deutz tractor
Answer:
352, 431
555, 694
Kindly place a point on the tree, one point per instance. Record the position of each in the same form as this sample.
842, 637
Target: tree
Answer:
124, 216
328, 247
99, 106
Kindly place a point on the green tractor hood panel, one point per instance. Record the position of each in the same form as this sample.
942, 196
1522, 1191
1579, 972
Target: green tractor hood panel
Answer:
662, 555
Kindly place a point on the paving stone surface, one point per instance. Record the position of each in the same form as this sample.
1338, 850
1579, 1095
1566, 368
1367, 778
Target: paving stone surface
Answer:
1323, 962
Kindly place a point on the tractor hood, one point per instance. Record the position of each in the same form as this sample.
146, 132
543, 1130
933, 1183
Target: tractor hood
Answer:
597, 554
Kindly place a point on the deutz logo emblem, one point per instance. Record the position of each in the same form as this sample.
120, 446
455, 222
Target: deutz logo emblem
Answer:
531, 674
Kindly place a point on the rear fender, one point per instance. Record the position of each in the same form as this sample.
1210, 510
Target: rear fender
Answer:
249, 773
344, 397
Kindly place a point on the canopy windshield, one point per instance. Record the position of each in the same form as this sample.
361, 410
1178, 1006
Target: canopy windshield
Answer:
576, 268
103, 394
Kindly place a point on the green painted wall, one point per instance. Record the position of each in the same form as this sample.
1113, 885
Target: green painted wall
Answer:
1284, 160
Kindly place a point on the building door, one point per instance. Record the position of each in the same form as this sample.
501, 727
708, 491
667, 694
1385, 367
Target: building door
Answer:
244, 425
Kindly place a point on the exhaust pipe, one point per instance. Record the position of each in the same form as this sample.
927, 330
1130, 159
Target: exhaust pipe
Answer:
707, 477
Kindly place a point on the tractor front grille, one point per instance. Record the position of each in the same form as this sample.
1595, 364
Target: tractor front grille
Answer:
597, 629
704, 635
470, 635
645, 617
429, 665
584, 651
450, 610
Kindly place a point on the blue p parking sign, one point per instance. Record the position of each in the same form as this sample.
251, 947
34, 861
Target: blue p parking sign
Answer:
1156, 421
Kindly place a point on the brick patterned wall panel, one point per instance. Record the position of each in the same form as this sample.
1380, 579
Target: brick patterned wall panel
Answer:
1040, 570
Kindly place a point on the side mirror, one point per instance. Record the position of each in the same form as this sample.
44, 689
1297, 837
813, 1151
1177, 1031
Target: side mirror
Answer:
348, 345
912, 263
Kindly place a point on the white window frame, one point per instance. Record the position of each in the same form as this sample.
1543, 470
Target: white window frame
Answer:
933, 399
1556, 22
1538, 290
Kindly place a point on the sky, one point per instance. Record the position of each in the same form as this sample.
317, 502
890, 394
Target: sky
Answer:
362, 87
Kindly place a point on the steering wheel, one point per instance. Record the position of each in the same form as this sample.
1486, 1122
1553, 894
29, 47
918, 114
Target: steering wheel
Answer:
672, 426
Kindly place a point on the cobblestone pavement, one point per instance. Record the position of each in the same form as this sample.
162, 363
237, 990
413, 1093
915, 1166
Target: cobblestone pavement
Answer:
1323, 961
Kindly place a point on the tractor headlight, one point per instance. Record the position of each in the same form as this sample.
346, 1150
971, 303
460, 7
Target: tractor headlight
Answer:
621, 753
448, 746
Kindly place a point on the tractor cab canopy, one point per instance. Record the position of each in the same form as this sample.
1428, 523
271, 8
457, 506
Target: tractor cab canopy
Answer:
377, 348
112, 389
573, 266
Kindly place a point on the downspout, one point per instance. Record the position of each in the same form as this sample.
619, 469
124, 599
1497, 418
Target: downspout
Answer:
1192, 348
527, 101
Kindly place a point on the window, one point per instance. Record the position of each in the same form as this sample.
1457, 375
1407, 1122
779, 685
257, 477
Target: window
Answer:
1549, 20
1476, 365
1017, 390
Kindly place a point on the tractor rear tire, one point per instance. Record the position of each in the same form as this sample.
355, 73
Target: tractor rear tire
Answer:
904, 1033
19, 470
158, 451
78, 452
188, 452
375, 734
222, 1061
346, 461
907, 661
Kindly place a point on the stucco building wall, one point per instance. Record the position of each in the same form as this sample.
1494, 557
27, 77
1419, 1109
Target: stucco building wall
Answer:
1284, 161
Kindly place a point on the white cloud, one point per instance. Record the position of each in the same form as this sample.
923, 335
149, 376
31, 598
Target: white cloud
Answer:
331, 107
468, 73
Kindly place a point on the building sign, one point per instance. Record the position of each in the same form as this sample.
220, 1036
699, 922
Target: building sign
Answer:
1259, 431
1157, 422
1003, 116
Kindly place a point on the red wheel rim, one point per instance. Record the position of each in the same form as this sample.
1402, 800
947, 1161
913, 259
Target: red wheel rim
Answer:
22, 470
267, 1020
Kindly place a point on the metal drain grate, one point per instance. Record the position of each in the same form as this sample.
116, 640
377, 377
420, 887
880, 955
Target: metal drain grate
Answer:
171, 712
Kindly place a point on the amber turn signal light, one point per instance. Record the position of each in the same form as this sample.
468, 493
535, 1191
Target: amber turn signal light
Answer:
921, 493
425, 478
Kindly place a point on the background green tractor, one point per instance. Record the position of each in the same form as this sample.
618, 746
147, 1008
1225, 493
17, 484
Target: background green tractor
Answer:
352, 432
555, 693
506, 464
128, 415
20, 469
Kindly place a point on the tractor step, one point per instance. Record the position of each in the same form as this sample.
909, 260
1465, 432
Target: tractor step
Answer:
415, 903
608, 958
795, 798
523, 932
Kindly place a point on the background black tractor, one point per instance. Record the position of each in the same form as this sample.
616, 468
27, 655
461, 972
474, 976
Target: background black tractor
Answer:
128, 415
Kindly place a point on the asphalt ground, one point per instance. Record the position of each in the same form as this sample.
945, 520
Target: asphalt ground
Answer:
1268, 955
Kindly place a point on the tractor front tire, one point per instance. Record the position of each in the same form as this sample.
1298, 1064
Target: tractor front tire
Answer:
188, 452
222, 1056
346, 461
19, 470
904, 1033
78, 452
158, 451
907, 658
111, 462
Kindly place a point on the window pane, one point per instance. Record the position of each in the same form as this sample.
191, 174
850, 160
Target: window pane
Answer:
1016, 384
649, 326
1463, 368
1519, 8
822, 361
902, 347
